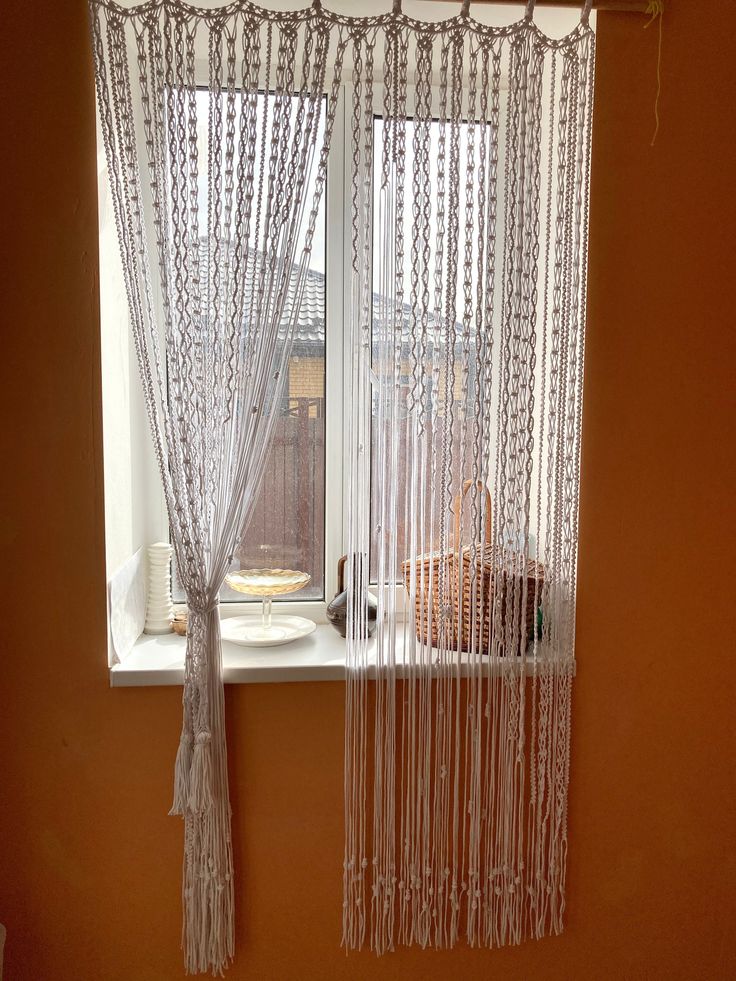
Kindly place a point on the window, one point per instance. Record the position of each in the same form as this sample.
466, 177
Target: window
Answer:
298, 519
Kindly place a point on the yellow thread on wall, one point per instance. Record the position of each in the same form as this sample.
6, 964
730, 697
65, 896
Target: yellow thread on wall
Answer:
656, 9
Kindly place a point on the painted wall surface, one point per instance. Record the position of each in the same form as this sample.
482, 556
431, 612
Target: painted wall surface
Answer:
89, 861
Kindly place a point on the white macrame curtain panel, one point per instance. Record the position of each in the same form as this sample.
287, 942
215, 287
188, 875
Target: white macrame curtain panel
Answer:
470, 150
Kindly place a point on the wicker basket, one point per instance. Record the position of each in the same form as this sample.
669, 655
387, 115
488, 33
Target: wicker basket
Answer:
470, 618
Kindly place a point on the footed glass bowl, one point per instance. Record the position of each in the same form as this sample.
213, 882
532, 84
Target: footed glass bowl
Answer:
267, 583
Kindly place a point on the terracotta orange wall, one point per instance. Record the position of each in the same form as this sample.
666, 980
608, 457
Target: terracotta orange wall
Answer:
89, 862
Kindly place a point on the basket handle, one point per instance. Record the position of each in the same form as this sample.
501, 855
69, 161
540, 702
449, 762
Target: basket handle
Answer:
459, 500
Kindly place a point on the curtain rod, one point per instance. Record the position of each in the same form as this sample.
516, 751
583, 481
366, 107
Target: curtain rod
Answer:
620, 6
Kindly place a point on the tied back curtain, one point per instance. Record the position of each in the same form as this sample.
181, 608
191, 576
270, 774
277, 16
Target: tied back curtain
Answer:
216, 128
469, 151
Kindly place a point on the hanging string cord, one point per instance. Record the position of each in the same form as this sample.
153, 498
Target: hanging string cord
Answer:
656, 9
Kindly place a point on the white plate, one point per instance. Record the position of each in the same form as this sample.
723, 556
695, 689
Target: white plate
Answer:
248, 632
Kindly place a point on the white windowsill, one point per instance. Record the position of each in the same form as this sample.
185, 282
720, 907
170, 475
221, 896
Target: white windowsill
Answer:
319, 657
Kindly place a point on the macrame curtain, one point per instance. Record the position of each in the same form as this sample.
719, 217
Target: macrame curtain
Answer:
470, 189
470, 158
213, 123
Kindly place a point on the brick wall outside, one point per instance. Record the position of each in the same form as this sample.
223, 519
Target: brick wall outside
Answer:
307, 378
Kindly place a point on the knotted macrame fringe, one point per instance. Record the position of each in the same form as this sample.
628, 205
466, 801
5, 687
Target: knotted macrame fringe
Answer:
200, 796
207, 934
207, 890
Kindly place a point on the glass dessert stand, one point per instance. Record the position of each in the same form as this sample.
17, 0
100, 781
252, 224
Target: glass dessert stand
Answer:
270, 629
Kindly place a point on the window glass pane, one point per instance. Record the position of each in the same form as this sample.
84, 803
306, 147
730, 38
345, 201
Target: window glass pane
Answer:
287, 527
286, 530
434, 369
439, 386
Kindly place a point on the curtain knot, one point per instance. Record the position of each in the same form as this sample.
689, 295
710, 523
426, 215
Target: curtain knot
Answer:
202, 609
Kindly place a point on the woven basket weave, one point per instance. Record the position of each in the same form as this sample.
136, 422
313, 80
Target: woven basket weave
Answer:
471, 620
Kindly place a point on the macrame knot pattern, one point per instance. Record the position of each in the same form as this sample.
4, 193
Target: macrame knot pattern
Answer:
205, 608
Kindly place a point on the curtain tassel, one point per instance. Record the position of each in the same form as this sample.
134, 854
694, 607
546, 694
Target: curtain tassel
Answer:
200, 781
182, 773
